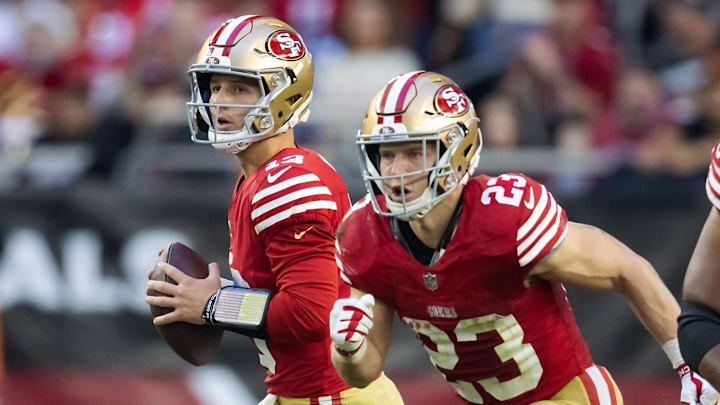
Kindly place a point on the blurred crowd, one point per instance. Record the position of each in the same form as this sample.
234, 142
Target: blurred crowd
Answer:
636, 80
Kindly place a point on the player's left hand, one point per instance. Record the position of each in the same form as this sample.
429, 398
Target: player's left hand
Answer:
695, 389
188, 297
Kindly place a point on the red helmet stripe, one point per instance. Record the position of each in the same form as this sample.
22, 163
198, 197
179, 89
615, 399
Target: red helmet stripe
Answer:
233, 35
219, 31
384, 99
403, 93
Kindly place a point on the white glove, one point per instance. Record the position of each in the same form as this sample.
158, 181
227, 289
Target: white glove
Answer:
350, 321
695, 389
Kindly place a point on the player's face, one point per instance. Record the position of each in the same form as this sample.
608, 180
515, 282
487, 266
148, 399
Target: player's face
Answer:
231, 89
401, 158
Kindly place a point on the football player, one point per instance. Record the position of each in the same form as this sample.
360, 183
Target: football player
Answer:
251, 84
699, 323
475, 266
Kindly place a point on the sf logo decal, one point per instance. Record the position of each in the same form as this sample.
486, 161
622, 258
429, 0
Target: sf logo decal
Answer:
285, 45
451, 101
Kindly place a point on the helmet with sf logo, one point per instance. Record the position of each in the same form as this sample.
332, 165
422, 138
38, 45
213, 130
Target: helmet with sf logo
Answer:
261, 48
426, 107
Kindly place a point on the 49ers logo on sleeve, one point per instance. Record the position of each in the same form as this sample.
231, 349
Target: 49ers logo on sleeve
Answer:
451, 101
285, 45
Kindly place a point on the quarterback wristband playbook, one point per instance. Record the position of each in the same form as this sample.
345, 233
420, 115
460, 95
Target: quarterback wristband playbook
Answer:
238, 309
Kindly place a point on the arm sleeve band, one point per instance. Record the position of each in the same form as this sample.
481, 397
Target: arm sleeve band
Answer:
698, 331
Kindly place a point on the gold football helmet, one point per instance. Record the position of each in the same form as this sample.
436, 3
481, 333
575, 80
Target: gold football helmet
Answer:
425, 107
261, 48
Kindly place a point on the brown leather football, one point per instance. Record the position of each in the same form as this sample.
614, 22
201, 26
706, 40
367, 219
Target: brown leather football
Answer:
194, 343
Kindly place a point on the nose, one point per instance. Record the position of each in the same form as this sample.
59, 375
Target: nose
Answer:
397, 165
221, 97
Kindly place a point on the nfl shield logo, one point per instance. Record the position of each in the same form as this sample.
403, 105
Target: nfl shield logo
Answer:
431, 282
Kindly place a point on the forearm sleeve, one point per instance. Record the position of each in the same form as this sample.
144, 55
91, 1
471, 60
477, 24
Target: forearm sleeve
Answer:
698, 331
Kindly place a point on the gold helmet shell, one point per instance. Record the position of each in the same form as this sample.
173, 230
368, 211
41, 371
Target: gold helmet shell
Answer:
427, 107
261, 48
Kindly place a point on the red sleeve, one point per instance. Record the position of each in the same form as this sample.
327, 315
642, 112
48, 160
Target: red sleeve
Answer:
302, 259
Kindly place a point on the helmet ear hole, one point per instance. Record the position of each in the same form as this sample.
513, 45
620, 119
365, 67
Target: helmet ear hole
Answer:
292, 100
466, 152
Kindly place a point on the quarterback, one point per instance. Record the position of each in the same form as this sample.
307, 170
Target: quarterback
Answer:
699, 323
475, 266
251, 84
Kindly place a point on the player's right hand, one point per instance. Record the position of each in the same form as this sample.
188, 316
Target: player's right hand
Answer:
350, 321
695, 389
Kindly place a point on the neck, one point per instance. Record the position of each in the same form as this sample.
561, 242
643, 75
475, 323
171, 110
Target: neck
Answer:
260, 152
431, 228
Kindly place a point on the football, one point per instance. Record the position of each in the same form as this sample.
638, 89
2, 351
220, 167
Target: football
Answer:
196, 344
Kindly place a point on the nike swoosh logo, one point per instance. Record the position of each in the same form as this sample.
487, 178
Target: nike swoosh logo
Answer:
274, 176
301, 234
530, 203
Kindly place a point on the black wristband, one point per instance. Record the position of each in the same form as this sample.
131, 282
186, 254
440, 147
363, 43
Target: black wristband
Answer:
207, 315
698, 331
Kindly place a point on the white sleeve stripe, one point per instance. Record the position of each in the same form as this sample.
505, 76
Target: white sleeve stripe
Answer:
528, 225
339, 263
714, 170
305, 178
713, 184
345, 278
282, 200
561, 238
713, 176
296, 209
540, 245
542, 227
711, 195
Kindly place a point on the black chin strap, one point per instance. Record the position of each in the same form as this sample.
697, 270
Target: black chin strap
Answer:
449, 232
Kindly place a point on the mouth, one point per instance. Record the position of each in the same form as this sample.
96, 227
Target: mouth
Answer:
396, 194
223, 124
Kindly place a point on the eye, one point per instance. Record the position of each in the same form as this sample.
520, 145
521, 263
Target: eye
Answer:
215, 88
386, 155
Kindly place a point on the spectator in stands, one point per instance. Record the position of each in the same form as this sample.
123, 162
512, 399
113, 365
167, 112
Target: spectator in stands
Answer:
686, 43
634, 121
500, 124
566, 70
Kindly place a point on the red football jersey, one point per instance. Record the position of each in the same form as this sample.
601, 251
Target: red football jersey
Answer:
496, 338
712, 184
282, 221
